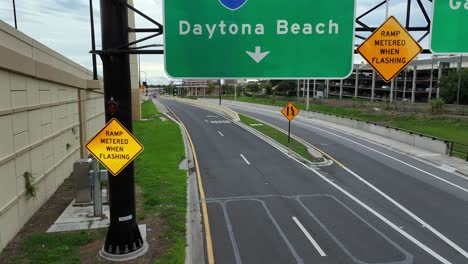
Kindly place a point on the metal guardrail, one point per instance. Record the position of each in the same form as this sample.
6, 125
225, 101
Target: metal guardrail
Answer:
458, 149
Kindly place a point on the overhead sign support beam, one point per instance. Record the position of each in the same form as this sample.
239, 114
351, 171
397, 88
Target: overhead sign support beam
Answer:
123, 237
125, 47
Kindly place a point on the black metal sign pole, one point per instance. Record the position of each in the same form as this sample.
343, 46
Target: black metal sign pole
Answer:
289, 132
123, 237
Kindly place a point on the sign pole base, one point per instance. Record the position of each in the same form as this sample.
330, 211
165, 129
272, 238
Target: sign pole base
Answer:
108, 252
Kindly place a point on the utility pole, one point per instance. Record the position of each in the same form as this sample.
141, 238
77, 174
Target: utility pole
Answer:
429, 96
123, 239
298, 87
235, 92
307, 100
459, 79
220, 90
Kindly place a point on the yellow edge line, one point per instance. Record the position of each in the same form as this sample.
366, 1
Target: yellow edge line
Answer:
209, 243
305, 141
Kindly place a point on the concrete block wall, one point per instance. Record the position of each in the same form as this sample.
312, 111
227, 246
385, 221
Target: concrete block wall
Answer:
49, 108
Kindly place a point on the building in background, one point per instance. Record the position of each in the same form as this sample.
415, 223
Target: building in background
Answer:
413, 84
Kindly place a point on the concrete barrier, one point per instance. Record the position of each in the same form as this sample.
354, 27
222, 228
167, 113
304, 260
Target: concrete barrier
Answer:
434, 145
402, 136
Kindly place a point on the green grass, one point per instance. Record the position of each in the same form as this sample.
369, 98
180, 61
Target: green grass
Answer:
163, 184
55, 248
164, 188
278, 136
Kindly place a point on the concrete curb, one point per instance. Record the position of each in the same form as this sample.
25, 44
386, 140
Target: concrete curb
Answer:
283, 148
195, 250
231, 113
313, 151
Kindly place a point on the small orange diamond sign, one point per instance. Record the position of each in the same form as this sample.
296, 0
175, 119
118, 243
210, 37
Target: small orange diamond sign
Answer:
389, 49
290, 111
115, 147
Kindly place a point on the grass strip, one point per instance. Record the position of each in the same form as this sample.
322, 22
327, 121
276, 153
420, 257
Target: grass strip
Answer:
279, 137
163, 186
162, 183
56, 248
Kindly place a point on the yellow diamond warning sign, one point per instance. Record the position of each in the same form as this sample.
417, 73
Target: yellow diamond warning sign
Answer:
290, 111
389, 49
114, 146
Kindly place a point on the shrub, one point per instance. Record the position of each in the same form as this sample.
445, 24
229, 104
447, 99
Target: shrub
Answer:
437, 105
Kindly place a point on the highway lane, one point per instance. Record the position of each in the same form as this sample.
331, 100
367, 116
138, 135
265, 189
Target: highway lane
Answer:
436, 197
265, 207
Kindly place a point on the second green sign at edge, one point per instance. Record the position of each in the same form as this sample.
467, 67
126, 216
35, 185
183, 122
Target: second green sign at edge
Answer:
259, 39
449, 27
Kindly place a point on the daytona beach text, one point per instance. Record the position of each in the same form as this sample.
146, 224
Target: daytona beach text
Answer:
283, 27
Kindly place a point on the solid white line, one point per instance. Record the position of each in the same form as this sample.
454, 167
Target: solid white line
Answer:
246, 161
221, 134
378, 215
411, 214
390, 157
311, 239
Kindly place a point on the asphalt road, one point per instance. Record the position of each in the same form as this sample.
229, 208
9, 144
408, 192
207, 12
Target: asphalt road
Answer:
265, 207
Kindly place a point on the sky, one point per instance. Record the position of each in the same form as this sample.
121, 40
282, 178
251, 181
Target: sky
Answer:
64, 26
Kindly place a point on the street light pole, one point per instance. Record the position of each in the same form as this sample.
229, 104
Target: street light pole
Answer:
14, 14
93, 40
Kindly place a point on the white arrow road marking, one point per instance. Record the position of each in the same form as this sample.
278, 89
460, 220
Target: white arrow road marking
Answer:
258, 56
307, 234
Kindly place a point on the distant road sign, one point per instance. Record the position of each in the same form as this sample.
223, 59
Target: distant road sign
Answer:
449, 32
227, 39
389, 49
290, 111
114, 147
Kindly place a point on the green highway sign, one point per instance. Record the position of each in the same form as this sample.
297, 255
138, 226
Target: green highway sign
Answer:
449, 26
259, 38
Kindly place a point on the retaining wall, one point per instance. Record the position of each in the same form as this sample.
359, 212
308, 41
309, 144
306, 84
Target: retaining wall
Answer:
49, 108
